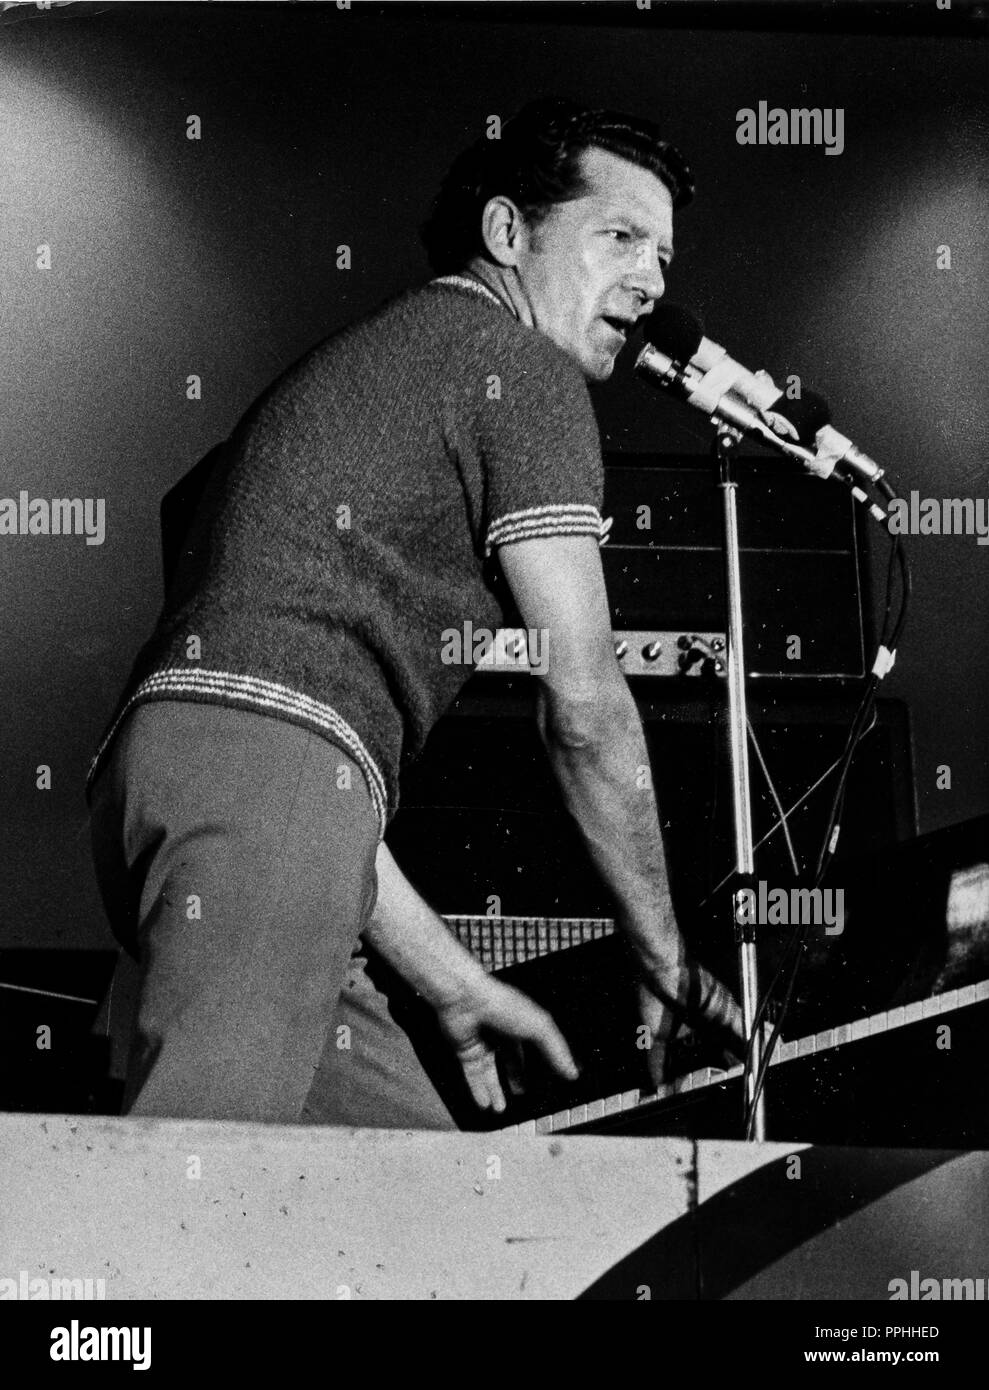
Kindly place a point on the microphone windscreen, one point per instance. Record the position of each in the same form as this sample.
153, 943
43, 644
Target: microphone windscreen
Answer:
674, 331
806, 414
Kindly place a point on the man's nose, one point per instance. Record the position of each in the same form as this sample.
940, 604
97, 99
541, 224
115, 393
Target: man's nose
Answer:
647, 282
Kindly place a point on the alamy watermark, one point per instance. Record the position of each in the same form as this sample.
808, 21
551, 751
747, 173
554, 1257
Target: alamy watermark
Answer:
511, 649
55, 516
930, 1289
791, 907
83, 1343
39, 1288
939, 516
800, 125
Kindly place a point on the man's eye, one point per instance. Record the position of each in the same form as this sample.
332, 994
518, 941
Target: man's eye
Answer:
619, 233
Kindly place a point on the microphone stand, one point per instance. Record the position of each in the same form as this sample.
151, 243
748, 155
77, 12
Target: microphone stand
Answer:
726, 440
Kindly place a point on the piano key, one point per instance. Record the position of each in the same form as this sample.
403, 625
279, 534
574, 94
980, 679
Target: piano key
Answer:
702, 1077
864, 1028
561, 1120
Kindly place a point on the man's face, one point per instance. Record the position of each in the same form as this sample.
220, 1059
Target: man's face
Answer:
599, 257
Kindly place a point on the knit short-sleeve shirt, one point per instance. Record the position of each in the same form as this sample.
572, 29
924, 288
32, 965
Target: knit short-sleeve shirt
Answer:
354, 519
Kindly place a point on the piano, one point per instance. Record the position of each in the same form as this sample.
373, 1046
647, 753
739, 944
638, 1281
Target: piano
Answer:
915, 1076
908, 1064
501, 942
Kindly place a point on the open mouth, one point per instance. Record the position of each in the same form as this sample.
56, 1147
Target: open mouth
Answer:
621, 327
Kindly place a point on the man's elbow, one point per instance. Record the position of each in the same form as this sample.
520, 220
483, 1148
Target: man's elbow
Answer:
587, 719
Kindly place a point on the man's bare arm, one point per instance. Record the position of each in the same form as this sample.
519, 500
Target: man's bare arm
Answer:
469, 1004
416, 941
593, 736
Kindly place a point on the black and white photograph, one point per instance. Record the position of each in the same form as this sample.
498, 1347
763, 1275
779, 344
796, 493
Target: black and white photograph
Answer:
494, 534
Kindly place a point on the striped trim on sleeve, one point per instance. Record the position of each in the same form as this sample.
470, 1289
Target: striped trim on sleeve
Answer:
556, 519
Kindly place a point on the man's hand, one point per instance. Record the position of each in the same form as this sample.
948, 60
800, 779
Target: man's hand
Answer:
682, 994
488, 1006
693, 993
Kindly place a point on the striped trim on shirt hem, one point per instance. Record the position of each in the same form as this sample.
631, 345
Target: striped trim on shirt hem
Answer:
265, 697
555, 519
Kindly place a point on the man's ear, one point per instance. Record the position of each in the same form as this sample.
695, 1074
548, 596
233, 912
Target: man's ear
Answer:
503, 230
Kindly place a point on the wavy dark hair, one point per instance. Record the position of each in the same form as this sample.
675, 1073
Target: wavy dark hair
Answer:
536, 163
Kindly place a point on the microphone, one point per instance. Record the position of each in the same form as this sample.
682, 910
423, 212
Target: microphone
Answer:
679, 357
834, 448
810, 417
676, 374
676, 331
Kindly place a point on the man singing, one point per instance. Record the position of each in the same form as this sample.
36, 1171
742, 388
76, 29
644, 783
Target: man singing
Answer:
421, 468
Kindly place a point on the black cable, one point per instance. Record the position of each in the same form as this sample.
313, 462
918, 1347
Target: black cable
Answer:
889, 640
794, 955
857, 731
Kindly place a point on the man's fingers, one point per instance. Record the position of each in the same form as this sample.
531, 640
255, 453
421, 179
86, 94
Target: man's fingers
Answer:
506, 1011
518, 1017
723, 1011
552, 1044
481, 1071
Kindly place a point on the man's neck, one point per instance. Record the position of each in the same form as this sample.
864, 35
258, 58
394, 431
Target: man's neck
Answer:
503, 282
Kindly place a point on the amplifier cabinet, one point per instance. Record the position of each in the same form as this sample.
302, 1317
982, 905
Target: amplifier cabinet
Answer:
803, 560
481, 816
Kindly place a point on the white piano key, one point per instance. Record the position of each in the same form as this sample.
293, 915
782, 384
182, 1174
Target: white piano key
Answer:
837, 1036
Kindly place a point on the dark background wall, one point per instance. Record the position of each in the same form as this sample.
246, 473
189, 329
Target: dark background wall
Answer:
217, 257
